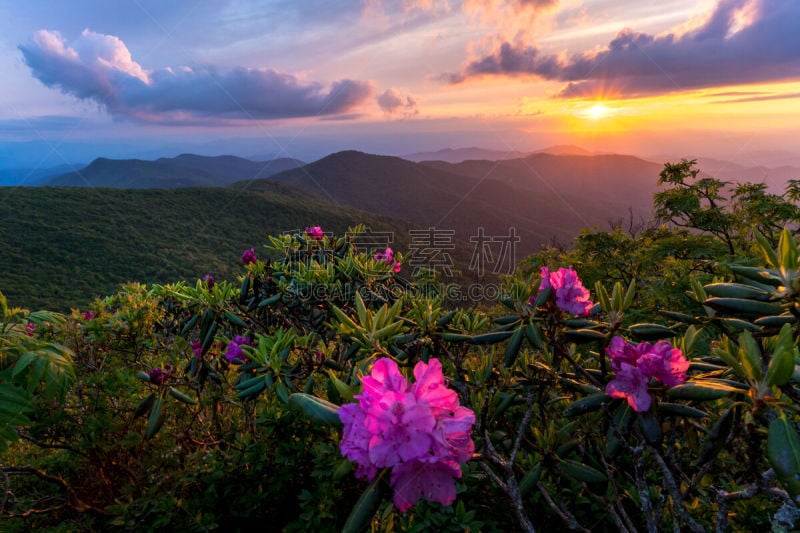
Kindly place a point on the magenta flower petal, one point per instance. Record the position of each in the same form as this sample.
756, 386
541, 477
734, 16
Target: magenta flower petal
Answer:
630, 383
431, 388
570, 294
434, 481
665, 363
249, 256
315, 232
621, 351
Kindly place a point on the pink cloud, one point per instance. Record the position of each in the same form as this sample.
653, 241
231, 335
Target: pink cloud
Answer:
100, 68
727, 49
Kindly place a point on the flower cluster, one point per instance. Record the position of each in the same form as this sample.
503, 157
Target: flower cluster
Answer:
234, 350
388, 257
570, 294
87, 315
636, 364
158, 374
197, 348
249, 256
209, 281
30, 328
315, 232
419, 431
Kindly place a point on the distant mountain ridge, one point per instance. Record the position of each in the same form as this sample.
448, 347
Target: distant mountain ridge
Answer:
467, 197
614, 178
458, 155
185, 170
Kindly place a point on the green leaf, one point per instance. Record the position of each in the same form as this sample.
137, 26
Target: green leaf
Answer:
750, 356
587, 404
676, 409
492, 337
533, 336
736, 290
190, 324
680, 317
651, 331
317, 409
781, 366
775, 321
542, 297
787, 249
651, 427
512, 350
783, 450
744, 307
766, 249
580, 336
364, 509
156, 418
530, 479
759, 274
446, 319
181, 397
629, 294
700, 391
739, 324
455, 337
581, 472
235, 320
144, 406
718, 435
602, 296
345, 391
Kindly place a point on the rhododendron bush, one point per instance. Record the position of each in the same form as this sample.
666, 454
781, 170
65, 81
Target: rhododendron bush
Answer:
325, 389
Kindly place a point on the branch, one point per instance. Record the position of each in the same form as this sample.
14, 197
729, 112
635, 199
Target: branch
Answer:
72, 499
565, 515
675, 493
40, 444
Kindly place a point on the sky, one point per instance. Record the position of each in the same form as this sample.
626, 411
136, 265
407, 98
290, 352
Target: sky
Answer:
303, 78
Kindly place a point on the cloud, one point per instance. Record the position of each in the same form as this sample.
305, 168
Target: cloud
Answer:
742, 42
46, 123
764, 98
99, 67
392, 101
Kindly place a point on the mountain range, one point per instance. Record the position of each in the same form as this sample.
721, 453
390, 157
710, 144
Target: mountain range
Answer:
174, 218
186, 170
466, 197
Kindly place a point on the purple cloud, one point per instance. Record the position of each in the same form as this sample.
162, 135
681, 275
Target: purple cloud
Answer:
743, 41
392, 101
100, 68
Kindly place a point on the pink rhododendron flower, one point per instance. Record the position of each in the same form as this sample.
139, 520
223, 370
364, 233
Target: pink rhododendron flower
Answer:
158, 375
388, 257
315, 232
87, 315
30, 328
197, 348
635, 364
570, 294
234, 350
249, 256
419, 431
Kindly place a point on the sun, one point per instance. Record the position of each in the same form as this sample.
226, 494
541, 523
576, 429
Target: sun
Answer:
596, 112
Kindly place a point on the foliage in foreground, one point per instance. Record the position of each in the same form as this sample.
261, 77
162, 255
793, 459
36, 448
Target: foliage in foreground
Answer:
216, 405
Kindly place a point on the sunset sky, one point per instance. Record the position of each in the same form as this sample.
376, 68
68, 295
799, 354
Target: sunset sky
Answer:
146, 78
